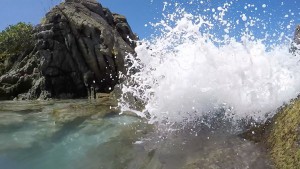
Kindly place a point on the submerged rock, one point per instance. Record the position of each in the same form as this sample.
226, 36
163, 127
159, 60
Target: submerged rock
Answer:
77, 38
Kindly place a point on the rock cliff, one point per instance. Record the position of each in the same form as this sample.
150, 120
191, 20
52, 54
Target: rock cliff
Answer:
78, 45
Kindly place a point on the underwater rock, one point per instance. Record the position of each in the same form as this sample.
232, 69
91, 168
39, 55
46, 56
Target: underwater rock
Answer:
10, 120
75, 38
104, 106
241, 155
120, 147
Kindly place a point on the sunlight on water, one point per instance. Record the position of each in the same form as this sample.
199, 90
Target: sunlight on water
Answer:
189, 70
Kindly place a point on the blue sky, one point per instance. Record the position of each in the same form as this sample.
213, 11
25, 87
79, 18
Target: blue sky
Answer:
276, 14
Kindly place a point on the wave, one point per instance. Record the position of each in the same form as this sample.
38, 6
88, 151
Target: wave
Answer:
189, 69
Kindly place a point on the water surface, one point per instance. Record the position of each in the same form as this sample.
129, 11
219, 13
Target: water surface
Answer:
76, 134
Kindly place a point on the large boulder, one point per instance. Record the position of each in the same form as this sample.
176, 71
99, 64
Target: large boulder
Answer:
79, 44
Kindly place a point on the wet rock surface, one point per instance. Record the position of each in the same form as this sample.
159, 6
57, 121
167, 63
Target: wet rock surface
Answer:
79, 44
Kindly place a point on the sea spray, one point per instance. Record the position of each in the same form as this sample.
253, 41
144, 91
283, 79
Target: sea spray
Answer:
190, 70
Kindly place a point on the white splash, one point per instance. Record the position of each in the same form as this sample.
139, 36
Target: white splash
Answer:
185, 73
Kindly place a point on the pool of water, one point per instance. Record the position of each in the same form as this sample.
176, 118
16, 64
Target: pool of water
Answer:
77, 134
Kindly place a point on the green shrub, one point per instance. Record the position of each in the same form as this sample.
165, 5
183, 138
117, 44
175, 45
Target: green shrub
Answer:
15, 39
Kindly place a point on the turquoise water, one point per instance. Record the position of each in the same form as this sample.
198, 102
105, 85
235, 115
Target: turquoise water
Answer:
80, 134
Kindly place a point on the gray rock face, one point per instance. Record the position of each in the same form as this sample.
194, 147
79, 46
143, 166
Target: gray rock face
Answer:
79, 43
297, 35
296, 41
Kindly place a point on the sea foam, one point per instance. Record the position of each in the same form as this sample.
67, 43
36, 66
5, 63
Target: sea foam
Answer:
188, 70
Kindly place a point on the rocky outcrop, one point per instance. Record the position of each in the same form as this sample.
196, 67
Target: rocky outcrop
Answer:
296, 41
79, 44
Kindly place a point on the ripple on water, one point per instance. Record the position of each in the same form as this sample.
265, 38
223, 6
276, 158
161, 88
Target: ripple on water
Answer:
116, 141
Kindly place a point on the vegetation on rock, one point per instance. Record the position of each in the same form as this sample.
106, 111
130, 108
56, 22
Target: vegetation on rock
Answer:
281, 136
284, 137
15, 40
67, 55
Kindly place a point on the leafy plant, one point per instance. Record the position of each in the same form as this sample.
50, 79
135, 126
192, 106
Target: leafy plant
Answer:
15, 39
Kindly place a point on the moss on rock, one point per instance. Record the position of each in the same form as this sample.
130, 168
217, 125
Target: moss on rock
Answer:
281, 136
283, 139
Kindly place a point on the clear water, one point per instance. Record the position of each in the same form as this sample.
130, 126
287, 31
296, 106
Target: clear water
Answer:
77, 134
